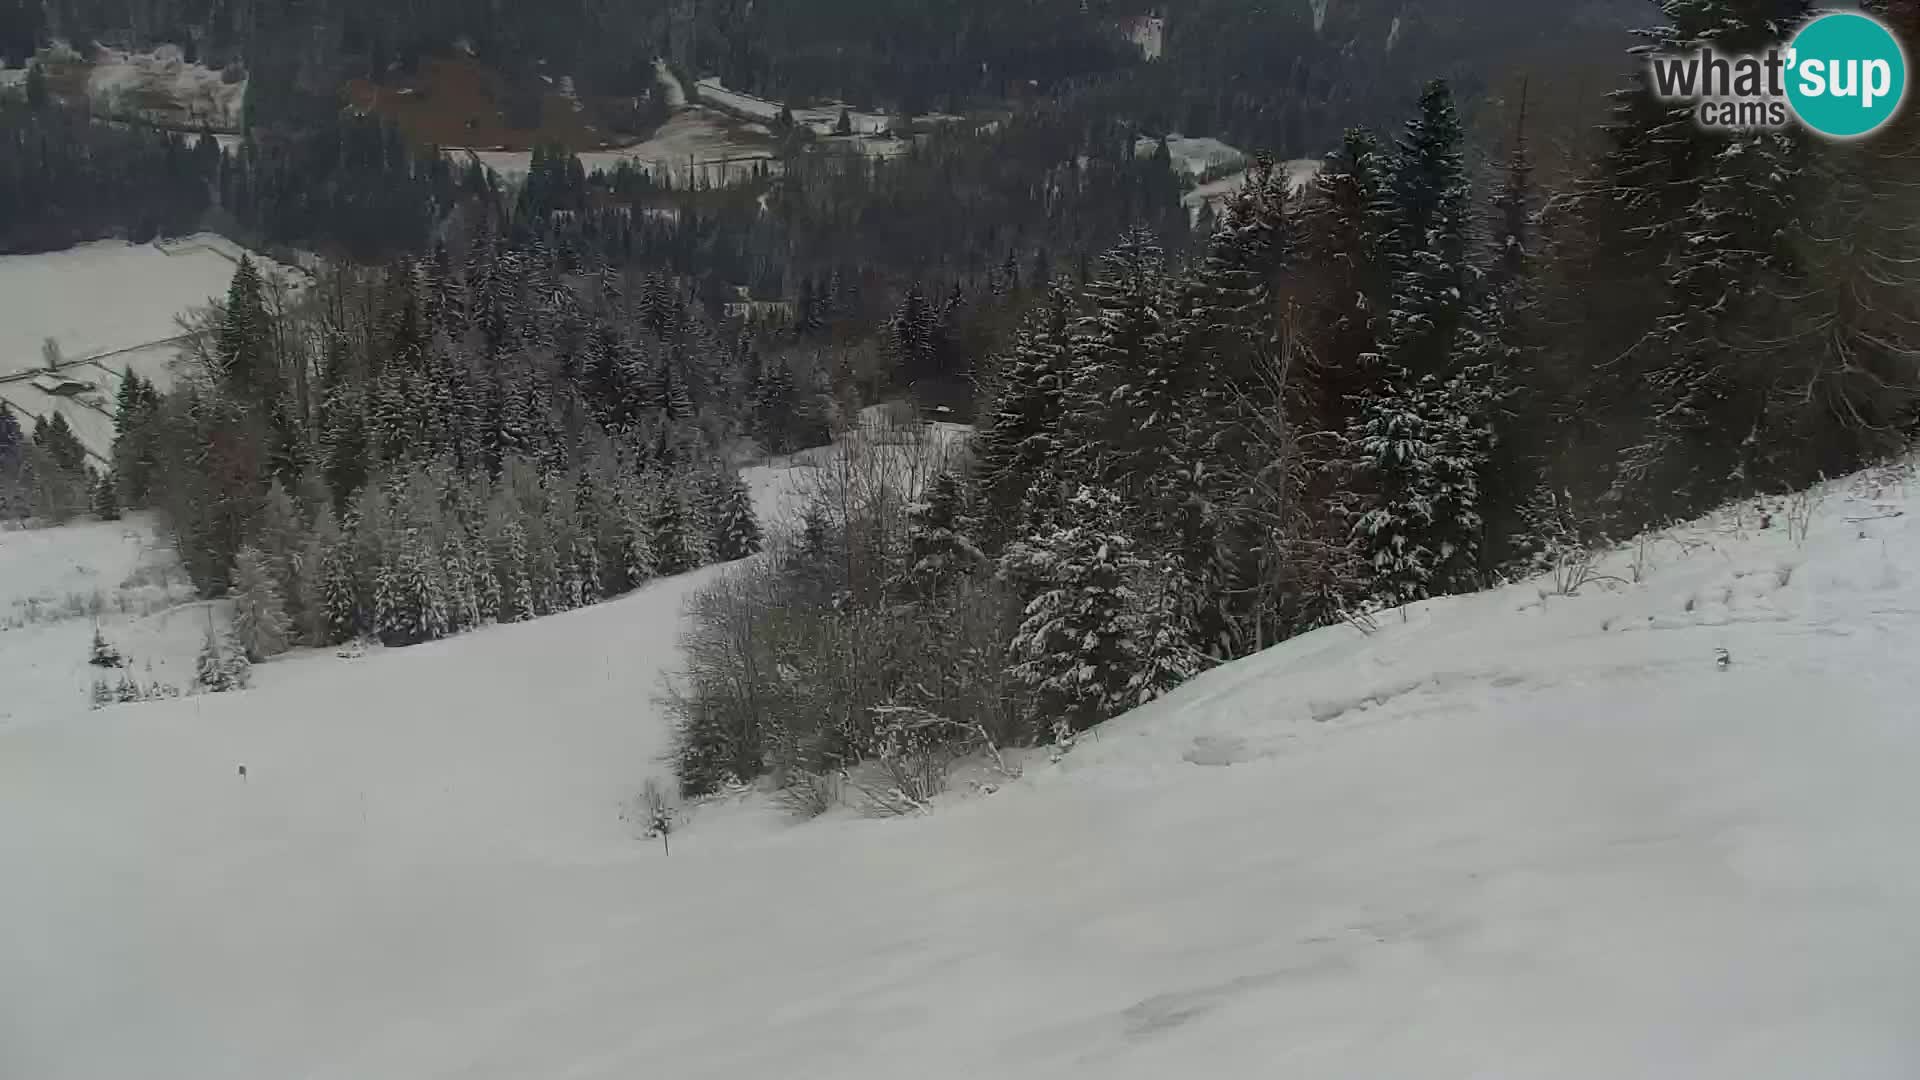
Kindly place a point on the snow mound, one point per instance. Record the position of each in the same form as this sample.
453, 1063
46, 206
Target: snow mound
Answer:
1536, 831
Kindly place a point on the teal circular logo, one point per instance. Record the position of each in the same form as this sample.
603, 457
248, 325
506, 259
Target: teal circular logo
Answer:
1846, 74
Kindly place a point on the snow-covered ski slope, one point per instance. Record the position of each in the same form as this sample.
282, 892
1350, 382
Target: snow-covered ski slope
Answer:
1508, 835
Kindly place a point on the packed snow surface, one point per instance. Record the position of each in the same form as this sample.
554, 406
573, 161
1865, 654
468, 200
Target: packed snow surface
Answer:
1516, 834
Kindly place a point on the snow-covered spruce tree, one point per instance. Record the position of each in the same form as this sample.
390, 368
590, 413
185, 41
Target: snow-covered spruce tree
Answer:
260, 622
1712, 389
1420, 443
1432, 280
461, 582
1022, 441
408, 605
669, 531
635, 532
735, 531
55, 436
1852, 308
220, 667
1418, 456
1213, 511
775, 403
239, 670
1493, 348
548, 551
697, 503
939, 548
312, 625
577, 554
102, 654
281, 537
106, 497
1128, 387
1619, 237
913, 336
510, 570
1349, 235
1099, 635
243, 342
1225, 328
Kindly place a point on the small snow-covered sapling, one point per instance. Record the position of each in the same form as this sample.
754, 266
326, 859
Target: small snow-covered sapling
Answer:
659, 815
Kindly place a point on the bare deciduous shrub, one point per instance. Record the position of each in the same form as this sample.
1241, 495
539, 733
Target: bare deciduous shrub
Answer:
830, 653
1572, 544
1801, 507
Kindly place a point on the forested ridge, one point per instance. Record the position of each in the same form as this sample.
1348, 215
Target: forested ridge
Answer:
1286, 75
1399, 386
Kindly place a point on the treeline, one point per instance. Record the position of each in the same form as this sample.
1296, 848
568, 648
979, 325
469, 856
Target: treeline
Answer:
45, 475
1390, 390
1287, 76
65, 178
348, 187
917, 56
408, 451
1048, 185
1291, 77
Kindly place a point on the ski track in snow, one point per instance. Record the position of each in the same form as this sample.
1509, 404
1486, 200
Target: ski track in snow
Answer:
1514, 833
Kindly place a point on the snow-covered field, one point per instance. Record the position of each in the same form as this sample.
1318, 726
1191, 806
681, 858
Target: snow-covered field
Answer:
111, 307
1192, 156
56, 585
823, 119
1300, 172
100, 297
692, 142
1515, 834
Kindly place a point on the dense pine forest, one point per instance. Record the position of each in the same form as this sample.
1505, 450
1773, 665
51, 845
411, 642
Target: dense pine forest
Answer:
1395, 387
1440, 366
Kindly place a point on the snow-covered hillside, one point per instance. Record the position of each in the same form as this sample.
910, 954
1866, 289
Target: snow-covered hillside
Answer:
1512, 834
161, 81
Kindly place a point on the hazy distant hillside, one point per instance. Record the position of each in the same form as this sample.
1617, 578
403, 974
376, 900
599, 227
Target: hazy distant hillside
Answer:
1286, 75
